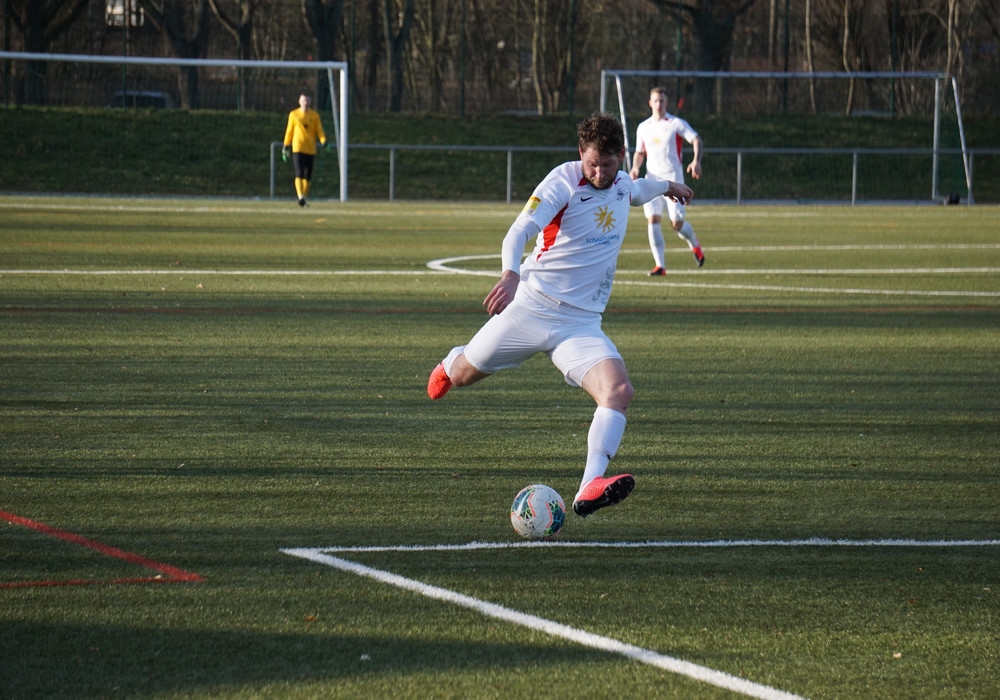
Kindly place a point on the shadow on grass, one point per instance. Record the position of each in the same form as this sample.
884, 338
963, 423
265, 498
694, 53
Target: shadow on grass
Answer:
80, 661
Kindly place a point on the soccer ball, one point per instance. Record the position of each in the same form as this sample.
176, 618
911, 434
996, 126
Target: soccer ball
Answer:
538, 512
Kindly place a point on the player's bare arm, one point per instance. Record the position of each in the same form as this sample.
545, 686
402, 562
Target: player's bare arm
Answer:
694, 167
502, 293
637, 160
679, 193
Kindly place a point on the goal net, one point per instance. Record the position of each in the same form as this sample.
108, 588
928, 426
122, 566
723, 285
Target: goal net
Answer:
888, 97
127, 82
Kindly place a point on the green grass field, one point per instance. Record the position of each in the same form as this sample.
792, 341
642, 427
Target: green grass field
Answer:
201, 384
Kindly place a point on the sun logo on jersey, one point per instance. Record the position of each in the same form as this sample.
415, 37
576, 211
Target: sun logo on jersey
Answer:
604, 219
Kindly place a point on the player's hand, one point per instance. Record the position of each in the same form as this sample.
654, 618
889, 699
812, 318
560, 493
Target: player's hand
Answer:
284, 154
502, 293
634, 173
694, 170
679, 193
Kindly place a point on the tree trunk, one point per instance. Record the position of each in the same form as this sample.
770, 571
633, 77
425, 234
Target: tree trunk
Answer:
538, 53
395, 42
324, 18
40, 22
809, 56
187, 36
844, 57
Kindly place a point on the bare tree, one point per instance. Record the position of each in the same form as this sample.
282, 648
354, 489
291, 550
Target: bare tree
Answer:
844, 54
396, 23
434, 25
40, 22
324, 18
240, 26
184, 26
238, 21
713, 22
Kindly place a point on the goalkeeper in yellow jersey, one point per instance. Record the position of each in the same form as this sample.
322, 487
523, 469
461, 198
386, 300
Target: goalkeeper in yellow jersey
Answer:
303, 131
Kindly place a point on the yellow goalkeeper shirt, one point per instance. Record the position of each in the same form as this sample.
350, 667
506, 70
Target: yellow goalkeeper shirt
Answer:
303, 130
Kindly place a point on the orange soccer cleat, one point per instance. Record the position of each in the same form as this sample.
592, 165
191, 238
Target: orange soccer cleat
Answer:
603, 491
439, 383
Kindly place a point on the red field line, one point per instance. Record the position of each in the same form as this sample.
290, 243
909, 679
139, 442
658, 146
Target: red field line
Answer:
166, 573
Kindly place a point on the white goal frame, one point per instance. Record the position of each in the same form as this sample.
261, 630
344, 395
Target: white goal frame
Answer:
338, 108
938, 78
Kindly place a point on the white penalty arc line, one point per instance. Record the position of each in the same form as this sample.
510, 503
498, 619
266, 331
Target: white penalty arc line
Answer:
445, 265
594, 641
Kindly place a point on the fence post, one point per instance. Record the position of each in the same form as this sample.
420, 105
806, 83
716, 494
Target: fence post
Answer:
392, 174
510, 172
854, 180
274, 165
739, 177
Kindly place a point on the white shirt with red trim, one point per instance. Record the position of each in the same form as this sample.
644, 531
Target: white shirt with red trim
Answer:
662, 140
581, 232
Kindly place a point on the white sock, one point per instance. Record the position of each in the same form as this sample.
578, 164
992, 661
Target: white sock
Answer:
606, 432
449, 361
687, 233
656, 243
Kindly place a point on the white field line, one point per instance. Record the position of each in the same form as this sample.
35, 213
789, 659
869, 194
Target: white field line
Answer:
814, 290
448, 265
259, 206
667, 663
664, 544
220, 273
578, 636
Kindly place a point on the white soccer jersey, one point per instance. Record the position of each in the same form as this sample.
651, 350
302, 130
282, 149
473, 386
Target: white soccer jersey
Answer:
661, 140
582, 230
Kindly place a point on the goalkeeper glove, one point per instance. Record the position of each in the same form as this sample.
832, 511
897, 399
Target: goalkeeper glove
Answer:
329, 145
284, 154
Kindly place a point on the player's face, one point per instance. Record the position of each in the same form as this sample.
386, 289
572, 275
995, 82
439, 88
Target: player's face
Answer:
600, 169
304, 102
658, 103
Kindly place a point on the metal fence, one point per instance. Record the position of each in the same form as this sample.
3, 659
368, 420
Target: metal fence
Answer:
739, 175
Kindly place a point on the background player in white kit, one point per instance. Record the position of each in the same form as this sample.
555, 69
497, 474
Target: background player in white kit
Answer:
658, 145
553, 301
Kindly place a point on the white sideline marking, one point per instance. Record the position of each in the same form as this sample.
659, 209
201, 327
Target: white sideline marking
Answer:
667, 663
807, 542
322, 555
220, 273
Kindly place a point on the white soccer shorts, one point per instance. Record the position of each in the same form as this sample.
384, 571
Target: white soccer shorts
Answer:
656, 206
572, 338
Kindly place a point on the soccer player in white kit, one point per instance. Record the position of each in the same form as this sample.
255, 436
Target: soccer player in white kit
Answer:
658, 144
552, 301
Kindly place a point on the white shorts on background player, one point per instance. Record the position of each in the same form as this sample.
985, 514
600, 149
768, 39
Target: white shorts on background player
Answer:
657, 205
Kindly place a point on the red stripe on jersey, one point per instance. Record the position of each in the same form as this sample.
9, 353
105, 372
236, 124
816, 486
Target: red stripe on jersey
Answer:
550, 232
680, 146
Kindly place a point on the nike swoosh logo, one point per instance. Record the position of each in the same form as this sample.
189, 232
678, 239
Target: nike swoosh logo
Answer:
584, 199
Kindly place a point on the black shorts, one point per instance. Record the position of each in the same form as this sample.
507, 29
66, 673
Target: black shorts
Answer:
303, 163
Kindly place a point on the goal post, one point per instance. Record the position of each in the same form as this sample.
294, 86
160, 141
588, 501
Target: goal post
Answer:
80, 87
795, 92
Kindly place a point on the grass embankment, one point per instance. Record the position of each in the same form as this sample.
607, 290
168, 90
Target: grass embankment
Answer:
226, 154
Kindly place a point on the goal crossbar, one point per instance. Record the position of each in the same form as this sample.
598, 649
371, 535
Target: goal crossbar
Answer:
339, 114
